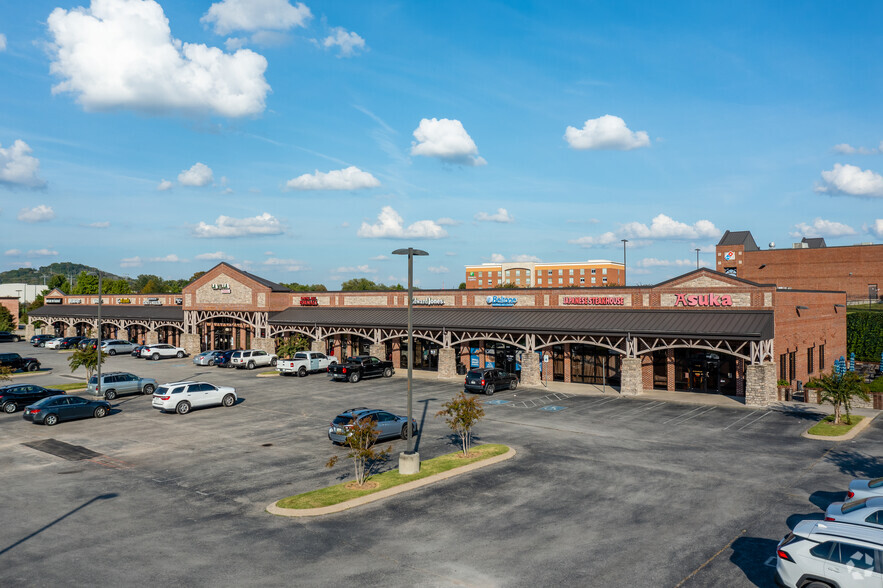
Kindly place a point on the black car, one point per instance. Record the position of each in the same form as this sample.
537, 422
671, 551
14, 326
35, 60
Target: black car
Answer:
488, 380
70, 342
223, 359
18, 396
65, 408
16, 362
84, 343
7, 337
137, 351
40, 340
360, 366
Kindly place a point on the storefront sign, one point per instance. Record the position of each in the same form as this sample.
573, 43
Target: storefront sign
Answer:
730, 255
223, 288
52, 300
152, 302
593, 300
95, 300
427, 302
704, 300
124, 301
75, 301
179, 301
309, 301
502, 300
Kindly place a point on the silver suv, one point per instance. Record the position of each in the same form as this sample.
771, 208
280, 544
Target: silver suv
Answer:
115, 383
823, 554
252, 358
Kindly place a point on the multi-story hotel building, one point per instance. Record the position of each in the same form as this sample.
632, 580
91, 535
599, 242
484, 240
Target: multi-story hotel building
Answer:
582, 274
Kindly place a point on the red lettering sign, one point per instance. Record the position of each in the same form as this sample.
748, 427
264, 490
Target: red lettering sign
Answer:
593, 300
309, 301
704, 300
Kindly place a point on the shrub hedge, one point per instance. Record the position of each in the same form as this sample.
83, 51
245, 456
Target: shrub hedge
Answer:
864, 335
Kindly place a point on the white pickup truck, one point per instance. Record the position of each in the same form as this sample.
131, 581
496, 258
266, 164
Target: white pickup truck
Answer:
304, 362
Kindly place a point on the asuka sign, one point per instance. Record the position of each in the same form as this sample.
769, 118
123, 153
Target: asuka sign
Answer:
593, 300
502, 300
704, 300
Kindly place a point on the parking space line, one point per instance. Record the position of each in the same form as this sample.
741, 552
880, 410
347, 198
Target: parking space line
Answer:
740, 420
683, 415
754, 421
651, 406
698, 414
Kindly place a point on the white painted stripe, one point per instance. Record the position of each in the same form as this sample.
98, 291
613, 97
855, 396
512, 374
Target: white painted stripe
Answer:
683, 415
754, 421
698, 414
643, 407
742, 419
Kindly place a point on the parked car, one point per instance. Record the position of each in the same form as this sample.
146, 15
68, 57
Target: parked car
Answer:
183, 396
84, 343
864, 511
386, 423
16, 362
822, 554
489, 380
223, 360
7, 337
116, 346
18, 396
40, 340
114, 384
360, 366
53, 343
159, 350
252, 358
137, 351
207, 357
305, 362
865, 489
54, 409
70, 342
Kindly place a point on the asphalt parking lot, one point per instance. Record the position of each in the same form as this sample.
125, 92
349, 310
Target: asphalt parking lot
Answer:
604, 491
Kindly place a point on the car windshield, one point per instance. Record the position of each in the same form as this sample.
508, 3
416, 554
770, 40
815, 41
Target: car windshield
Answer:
853, 505
474, 375
875, 483
300, 356
342, 420
162, 390
93, 380
44, 401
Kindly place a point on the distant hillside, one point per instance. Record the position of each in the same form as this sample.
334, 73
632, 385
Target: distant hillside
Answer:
29, 275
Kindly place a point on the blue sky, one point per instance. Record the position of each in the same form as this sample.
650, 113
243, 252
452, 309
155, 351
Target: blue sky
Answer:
305, 142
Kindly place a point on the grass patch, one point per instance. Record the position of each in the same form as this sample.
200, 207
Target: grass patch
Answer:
827, 428
269, 373
338, 493
71, 386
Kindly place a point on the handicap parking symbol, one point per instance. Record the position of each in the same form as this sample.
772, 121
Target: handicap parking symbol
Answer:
498, 401
552, 408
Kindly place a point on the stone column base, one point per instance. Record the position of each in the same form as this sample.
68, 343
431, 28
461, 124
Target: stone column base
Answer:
151, 338
190, 342
264, 344
530, 369
70, 332
29, 331
378, 350
447, 363
631, 377
760, 384
317, 346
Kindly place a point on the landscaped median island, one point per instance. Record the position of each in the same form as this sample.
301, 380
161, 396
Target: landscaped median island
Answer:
827, 428
70, 386
347, 494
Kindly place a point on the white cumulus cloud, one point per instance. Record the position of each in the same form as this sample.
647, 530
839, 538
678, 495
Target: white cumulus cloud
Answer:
36, 214
877, 227
291, 265
349, 42
226, 227
602, 239
447, 140
390, 225
437, 269
18, 167
665, 227
170, 258
379, 258
198, 175
822, 228
255, 15
216, 256
501, 216
655, 262
848, 149
164, 185
446, 221
42, 252
350, 178
12, 252
131, 262
851, 180
2, 42
606, 132
500, 258
99, 225
120, 54
363, 269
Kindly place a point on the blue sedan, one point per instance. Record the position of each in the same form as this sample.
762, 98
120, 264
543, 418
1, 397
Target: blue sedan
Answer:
65, 408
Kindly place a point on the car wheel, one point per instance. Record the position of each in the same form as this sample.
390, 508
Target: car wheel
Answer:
489, 390
228, 400
354, 377
110, 395
816, 585
513, 384
148, 389
155, 357
32, 367
112, 352
15, 339
99, 412
183, 407
9, 407
211, 362
50, 420
301, 372
273, 362
42, 345
387, 373
250, 365
179, 355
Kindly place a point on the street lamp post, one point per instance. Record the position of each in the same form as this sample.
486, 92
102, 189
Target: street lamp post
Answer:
409, 462
697, 258
624, 241
98, 340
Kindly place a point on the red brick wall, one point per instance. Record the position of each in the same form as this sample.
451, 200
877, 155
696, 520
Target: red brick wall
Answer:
11, 305
822, 323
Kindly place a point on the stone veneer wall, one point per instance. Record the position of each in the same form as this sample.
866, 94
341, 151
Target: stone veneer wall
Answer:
190, 342
530, 369
631, 377
264, 344
760, 384
447, 363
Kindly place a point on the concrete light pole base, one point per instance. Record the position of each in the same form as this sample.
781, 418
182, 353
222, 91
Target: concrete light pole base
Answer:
409, 463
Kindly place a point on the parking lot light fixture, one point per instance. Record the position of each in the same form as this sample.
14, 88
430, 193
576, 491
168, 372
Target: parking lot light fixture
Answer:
98, 340
410, 252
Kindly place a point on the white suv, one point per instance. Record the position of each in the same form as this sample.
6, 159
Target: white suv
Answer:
252, 358
159, 350
182, 396
821, 554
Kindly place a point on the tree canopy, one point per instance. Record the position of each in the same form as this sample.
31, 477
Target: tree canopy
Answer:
363, 284
306, 287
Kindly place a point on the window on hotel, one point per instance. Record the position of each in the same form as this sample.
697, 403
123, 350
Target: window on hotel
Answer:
582, 272
560, 272
782, 358
821, 358
809, 360
593, 281
603, 271
548, 274
603, 280
539, 281
571, 281
479, 283
571, 273
593, 273
560, 281
792, 365
581, 281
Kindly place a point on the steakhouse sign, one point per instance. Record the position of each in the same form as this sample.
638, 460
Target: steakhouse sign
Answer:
593, 300
704, 300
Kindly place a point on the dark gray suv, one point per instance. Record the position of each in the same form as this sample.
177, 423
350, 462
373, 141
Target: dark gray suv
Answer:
115, 383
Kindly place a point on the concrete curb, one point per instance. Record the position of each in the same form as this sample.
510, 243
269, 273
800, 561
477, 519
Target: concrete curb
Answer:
864, 424
273, 375
314, 512
36, 373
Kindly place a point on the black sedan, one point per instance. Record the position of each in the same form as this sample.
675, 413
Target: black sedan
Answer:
70, 342
137, 351
65, 408
40, 340
488, 380
18, 396
223, 359
7, 337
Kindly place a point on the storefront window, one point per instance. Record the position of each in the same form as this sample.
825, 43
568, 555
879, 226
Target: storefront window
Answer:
593, 365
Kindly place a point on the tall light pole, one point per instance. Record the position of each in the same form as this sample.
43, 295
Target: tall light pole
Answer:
624, 241
697, 258
412, 460
98, 341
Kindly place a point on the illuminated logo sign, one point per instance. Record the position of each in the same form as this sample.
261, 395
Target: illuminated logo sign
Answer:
75, 301
309, 301
52, 301
501, 300
95, 300
179, 300
427, 302
730, 255
222, 288
124, 301
593, 300
704, 300
152, 302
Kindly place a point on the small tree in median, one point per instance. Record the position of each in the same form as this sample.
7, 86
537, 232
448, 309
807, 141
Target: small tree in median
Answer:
366, 458
4, 373
839, 390
87, 359
463, 413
